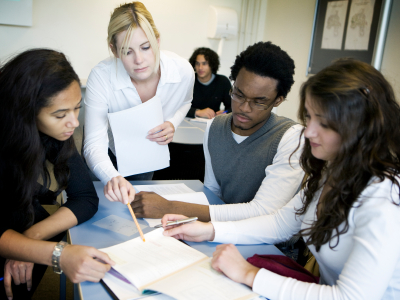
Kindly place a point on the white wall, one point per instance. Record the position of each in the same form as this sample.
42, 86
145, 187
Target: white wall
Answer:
289, 24
79, 29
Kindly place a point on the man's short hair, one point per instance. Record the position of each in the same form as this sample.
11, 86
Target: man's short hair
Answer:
210, 56
267, 60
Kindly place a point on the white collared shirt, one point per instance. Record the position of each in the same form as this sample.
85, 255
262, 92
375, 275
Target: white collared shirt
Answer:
109, 90
282, 179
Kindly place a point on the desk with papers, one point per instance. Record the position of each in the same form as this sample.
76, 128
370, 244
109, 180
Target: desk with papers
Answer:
106, 235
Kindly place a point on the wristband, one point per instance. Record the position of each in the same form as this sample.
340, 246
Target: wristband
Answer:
55, 259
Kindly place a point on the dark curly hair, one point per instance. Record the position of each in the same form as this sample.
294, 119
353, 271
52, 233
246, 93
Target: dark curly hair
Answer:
359, 104
267, 60
28, 82
210, 56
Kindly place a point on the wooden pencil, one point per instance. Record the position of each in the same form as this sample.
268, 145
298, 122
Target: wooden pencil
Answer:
136, 222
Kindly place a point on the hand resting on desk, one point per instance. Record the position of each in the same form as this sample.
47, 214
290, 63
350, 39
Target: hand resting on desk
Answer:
152, 205
226, 258
207, 113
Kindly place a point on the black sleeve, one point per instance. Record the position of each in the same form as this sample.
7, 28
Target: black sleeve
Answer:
191, 112
227, 99
82, 198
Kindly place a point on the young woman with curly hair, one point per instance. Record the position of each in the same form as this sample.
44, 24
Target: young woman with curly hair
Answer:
40, 98
348, 211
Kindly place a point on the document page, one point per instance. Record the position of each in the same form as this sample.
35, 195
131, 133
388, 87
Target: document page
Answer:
143, 263
126, 291
165, 189
196, 198
201, 120
118, 225
135, 153
202, 282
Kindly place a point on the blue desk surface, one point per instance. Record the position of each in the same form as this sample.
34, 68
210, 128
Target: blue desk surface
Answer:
91, 235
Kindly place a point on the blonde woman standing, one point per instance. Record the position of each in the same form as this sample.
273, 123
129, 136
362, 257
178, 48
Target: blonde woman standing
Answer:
138, 72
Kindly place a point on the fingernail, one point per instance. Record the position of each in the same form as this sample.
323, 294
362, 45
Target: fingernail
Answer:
9, 298
29, 289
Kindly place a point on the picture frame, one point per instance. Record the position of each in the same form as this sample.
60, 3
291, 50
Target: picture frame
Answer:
348, 28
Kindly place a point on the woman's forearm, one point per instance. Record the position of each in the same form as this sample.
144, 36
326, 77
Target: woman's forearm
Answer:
14, 245
58, 222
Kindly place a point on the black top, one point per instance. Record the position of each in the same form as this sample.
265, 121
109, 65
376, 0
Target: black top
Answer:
211, 95
82, 197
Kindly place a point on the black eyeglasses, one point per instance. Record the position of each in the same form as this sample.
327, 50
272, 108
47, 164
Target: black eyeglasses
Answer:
254, 103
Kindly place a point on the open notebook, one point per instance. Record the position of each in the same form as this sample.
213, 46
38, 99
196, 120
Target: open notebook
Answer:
165, 265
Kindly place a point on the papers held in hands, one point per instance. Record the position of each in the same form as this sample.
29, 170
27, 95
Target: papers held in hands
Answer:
136, 154
178, 222
164, 264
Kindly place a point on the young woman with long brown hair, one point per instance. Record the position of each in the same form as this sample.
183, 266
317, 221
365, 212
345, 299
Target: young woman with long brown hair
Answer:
348, 211
40, 98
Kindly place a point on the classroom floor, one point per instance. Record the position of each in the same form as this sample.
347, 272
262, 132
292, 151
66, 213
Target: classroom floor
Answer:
49, 287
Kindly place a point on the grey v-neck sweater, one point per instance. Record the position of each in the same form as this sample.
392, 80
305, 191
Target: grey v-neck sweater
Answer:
240, 168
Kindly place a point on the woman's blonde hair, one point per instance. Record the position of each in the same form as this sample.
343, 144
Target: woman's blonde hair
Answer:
128, 17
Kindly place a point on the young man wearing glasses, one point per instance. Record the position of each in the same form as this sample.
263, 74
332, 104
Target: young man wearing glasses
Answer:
248, 152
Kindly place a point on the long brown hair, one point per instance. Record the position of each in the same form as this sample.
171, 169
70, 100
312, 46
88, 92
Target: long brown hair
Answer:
28, 83
359, 104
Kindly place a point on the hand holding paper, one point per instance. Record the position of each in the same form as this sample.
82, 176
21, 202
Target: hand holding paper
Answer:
136, 154
162, 134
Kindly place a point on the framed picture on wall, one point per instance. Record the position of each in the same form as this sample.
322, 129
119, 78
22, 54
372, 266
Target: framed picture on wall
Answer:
348, 28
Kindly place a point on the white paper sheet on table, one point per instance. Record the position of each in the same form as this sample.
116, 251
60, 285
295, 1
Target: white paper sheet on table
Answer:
165, 189
196, 198
118, 225
125, 291
201, 120
136, 154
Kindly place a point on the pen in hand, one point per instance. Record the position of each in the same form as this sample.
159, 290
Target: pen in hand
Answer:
178, 222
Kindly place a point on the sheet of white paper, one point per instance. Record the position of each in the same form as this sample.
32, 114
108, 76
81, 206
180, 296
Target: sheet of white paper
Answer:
335, 18
165, 189
121, 289
126, 291
204, 283
119, 225
144, 262
196, 198
135, 153
359, 24
201, 120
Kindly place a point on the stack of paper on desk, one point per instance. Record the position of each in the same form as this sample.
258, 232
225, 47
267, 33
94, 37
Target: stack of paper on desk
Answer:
173, 192
165, 265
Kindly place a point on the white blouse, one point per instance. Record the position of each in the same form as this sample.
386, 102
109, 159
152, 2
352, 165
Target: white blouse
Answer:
365, 264
109, 90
